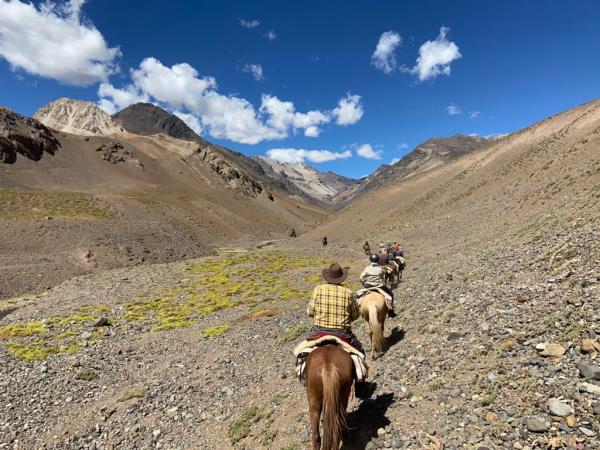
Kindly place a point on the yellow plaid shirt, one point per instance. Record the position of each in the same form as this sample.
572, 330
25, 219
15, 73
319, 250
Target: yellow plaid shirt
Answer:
333, 306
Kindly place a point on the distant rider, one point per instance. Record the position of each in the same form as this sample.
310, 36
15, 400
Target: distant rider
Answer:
367, 248
372, 277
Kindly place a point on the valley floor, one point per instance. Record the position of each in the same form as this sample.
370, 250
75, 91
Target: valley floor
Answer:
197, 354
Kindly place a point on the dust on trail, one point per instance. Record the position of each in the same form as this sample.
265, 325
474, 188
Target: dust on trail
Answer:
198, 354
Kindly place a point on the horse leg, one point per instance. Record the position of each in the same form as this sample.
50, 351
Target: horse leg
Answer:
315, 403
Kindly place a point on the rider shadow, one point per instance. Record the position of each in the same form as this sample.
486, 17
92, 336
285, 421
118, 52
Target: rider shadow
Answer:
396, 335
366, 420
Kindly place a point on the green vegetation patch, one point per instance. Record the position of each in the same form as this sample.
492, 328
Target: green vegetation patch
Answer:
87, 375
242, 425
222, 283
291, 334
38, 350
22, 329
37, 205
218, 330
136, 393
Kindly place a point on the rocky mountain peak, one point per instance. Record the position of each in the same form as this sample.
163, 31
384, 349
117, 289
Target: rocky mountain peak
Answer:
77, 117
146, 119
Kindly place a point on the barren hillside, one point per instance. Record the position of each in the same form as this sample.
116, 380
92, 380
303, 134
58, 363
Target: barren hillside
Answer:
97, 202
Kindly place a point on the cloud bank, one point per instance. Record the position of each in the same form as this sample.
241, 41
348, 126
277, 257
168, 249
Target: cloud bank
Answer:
52, 41
181, 88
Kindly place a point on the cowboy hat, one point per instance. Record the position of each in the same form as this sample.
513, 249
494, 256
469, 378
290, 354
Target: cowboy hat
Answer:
334, 274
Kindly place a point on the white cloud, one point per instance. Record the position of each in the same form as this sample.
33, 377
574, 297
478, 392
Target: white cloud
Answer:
191, 121
301, 155
51, 41
474, 115
435, 57
249, 23
256, 70
271, 35
282, 116
349, 110
181, 88
178, 85
114, 99
312, 131
383, 57
402, 146
453, 110
394, 161
366, 151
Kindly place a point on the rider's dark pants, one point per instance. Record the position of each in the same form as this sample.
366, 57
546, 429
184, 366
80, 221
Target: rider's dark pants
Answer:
347, 335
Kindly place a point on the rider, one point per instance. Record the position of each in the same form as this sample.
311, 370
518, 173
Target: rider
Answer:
372, 277
367, 248
334, 308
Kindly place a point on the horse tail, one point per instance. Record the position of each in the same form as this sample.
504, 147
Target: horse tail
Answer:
334, 413
375, 327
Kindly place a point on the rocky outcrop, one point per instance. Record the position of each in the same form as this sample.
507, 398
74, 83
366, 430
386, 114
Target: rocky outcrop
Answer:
232, 176
77, 117
24, 136
146, 119
115, 153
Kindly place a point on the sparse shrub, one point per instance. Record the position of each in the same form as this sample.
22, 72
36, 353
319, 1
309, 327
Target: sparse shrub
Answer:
291, 334
87, 375
241, 426
136, 393
215, 331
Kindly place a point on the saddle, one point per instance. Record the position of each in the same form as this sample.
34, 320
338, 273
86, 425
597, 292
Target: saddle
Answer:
303, 349
362, 292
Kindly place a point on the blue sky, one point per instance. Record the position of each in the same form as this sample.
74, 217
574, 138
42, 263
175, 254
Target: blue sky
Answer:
499, 66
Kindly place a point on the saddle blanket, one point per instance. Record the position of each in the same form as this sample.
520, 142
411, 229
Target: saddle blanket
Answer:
362, 292
302, 350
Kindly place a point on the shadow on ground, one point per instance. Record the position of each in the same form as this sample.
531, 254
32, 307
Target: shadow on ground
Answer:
396, 335
6, 312
366, 420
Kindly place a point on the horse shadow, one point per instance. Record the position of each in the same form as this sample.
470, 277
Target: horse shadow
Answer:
396, 335
366, 420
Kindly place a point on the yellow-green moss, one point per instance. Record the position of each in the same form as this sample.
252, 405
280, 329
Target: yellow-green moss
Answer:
87, 375
215, 331
22, 329
314, 278
291, 334
136, 393
36, 205
38, 350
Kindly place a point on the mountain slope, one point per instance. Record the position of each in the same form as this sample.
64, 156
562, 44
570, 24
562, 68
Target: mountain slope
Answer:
305, 180
77, 117
126, 199
485, 194
432, 153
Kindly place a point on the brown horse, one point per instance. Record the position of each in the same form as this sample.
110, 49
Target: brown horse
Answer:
374, 311
329, 372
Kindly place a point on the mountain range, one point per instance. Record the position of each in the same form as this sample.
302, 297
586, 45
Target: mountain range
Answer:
142, 186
